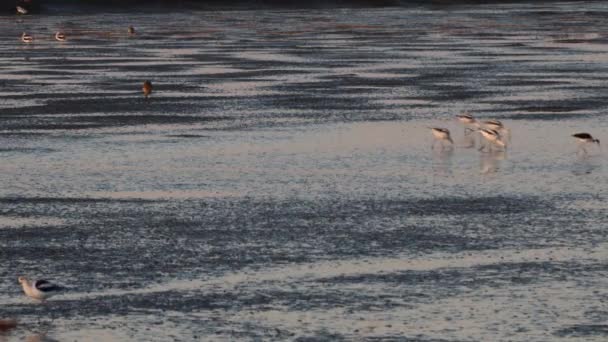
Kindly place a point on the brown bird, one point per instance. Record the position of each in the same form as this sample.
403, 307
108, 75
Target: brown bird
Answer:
147, 88
131, 30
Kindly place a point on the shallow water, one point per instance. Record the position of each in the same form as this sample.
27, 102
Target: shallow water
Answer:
280, 184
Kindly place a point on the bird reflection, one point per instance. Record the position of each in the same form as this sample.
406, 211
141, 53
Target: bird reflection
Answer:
489, 163
468, 141
442, 161
584, 165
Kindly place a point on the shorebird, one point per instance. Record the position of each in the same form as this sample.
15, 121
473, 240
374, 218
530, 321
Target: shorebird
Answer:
26, 38
494, 124
131, 30
147, 88
499, 127
60, 36
493, 137
584, 139
441, 134
39, 289
468, 120
21, 10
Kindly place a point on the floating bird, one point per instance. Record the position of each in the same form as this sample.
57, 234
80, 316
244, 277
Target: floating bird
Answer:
21, 10
147, 88
584, 139
26, 38
493, 137
60, 36
39, 289
441, 134
131, 30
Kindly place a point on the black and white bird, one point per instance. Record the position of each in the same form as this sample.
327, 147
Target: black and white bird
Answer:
441, 135
60, 36
26, 38
584, 139
468, 121
493, 137
22, 10
39, 289
499, 127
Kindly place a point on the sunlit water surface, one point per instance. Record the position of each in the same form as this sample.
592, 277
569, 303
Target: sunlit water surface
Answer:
280, 184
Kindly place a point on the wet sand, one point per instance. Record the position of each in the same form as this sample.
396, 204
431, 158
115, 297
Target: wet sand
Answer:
279, 183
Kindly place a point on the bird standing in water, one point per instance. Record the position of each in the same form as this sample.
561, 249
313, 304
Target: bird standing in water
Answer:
441, 134
584, 139
147, 88
131, 30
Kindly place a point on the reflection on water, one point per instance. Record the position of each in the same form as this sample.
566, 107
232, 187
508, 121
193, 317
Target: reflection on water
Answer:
468, 140
442, 161
585, 164
489, 162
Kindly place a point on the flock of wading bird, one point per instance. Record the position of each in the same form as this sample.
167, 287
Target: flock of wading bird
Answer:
495, 134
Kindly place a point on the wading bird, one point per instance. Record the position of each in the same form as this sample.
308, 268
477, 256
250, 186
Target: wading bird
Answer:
39, 289
499, 127
147, 88
131, 30
60, 36
584, 139
26, 38
493, 137
441, 135
468, 121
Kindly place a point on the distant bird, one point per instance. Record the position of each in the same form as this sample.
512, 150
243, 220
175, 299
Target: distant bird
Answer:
493, 137
26, 38
60, 36
499, 127
584, 139
39, 289
441, 135
468, 120
22, 10
147, 88
494, 124
131, 30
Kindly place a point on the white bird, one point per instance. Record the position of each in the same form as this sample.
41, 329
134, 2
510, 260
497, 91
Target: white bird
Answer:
26, 38
584, 139
441, 134
493, 137
60, 36
39, 289
21, 10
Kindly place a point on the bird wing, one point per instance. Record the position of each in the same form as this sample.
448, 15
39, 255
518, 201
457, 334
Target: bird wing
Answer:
582, 135
45, 286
